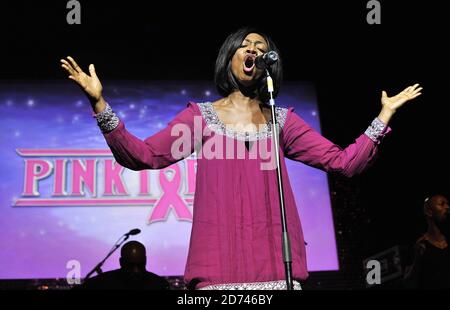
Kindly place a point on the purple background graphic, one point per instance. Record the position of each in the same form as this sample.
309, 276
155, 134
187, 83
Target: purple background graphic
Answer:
37, 242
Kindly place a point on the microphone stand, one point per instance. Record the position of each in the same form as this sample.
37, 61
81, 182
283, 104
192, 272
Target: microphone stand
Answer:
98, 268
287, 255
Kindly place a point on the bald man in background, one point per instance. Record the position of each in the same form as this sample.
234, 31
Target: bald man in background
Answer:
132, 274
431, 266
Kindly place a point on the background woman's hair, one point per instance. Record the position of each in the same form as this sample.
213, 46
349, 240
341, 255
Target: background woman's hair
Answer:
223, 76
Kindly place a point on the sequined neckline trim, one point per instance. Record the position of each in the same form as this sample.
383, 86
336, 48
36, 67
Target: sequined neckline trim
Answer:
214, 123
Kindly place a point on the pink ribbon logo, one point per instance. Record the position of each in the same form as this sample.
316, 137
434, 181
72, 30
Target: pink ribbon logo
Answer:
170, 197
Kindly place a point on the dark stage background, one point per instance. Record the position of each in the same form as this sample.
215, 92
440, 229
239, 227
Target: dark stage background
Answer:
328, 43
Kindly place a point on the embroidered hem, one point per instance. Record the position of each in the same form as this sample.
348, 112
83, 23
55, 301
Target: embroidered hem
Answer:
271, 285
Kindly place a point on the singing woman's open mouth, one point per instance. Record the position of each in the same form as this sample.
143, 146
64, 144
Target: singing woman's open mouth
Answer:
249, 63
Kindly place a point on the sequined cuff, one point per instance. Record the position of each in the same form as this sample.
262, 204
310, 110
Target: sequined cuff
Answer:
107, 120
375, 130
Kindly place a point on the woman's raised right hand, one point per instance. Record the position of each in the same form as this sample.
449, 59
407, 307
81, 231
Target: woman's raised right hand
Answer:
90, 84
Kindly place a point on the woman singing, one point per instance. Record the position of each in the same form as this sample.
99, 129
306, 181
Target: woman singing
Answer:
236, 230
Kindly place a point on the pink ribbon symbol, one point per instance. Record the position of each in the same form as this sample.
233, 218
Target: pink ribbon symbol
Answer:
170, 197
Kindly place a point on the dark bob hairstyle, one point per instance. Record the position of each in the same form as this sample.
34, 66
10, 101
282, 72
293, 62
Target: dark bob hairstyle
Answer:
224, 79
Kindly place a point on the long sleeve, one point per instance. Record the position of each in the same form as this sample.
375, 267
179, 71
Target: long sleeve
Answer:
303, 143
154, 152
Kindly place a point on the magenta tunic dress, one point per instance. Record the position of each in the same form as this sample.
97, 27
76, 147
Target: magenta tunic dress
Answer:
236, 228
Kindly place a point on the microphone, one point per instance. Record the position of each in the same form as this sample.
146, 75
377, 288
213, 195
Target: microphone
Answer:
266, 60
133, 232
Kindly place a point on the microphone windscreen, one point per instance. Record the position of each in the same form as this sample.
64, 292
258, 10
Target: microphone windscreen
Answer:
134, 231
